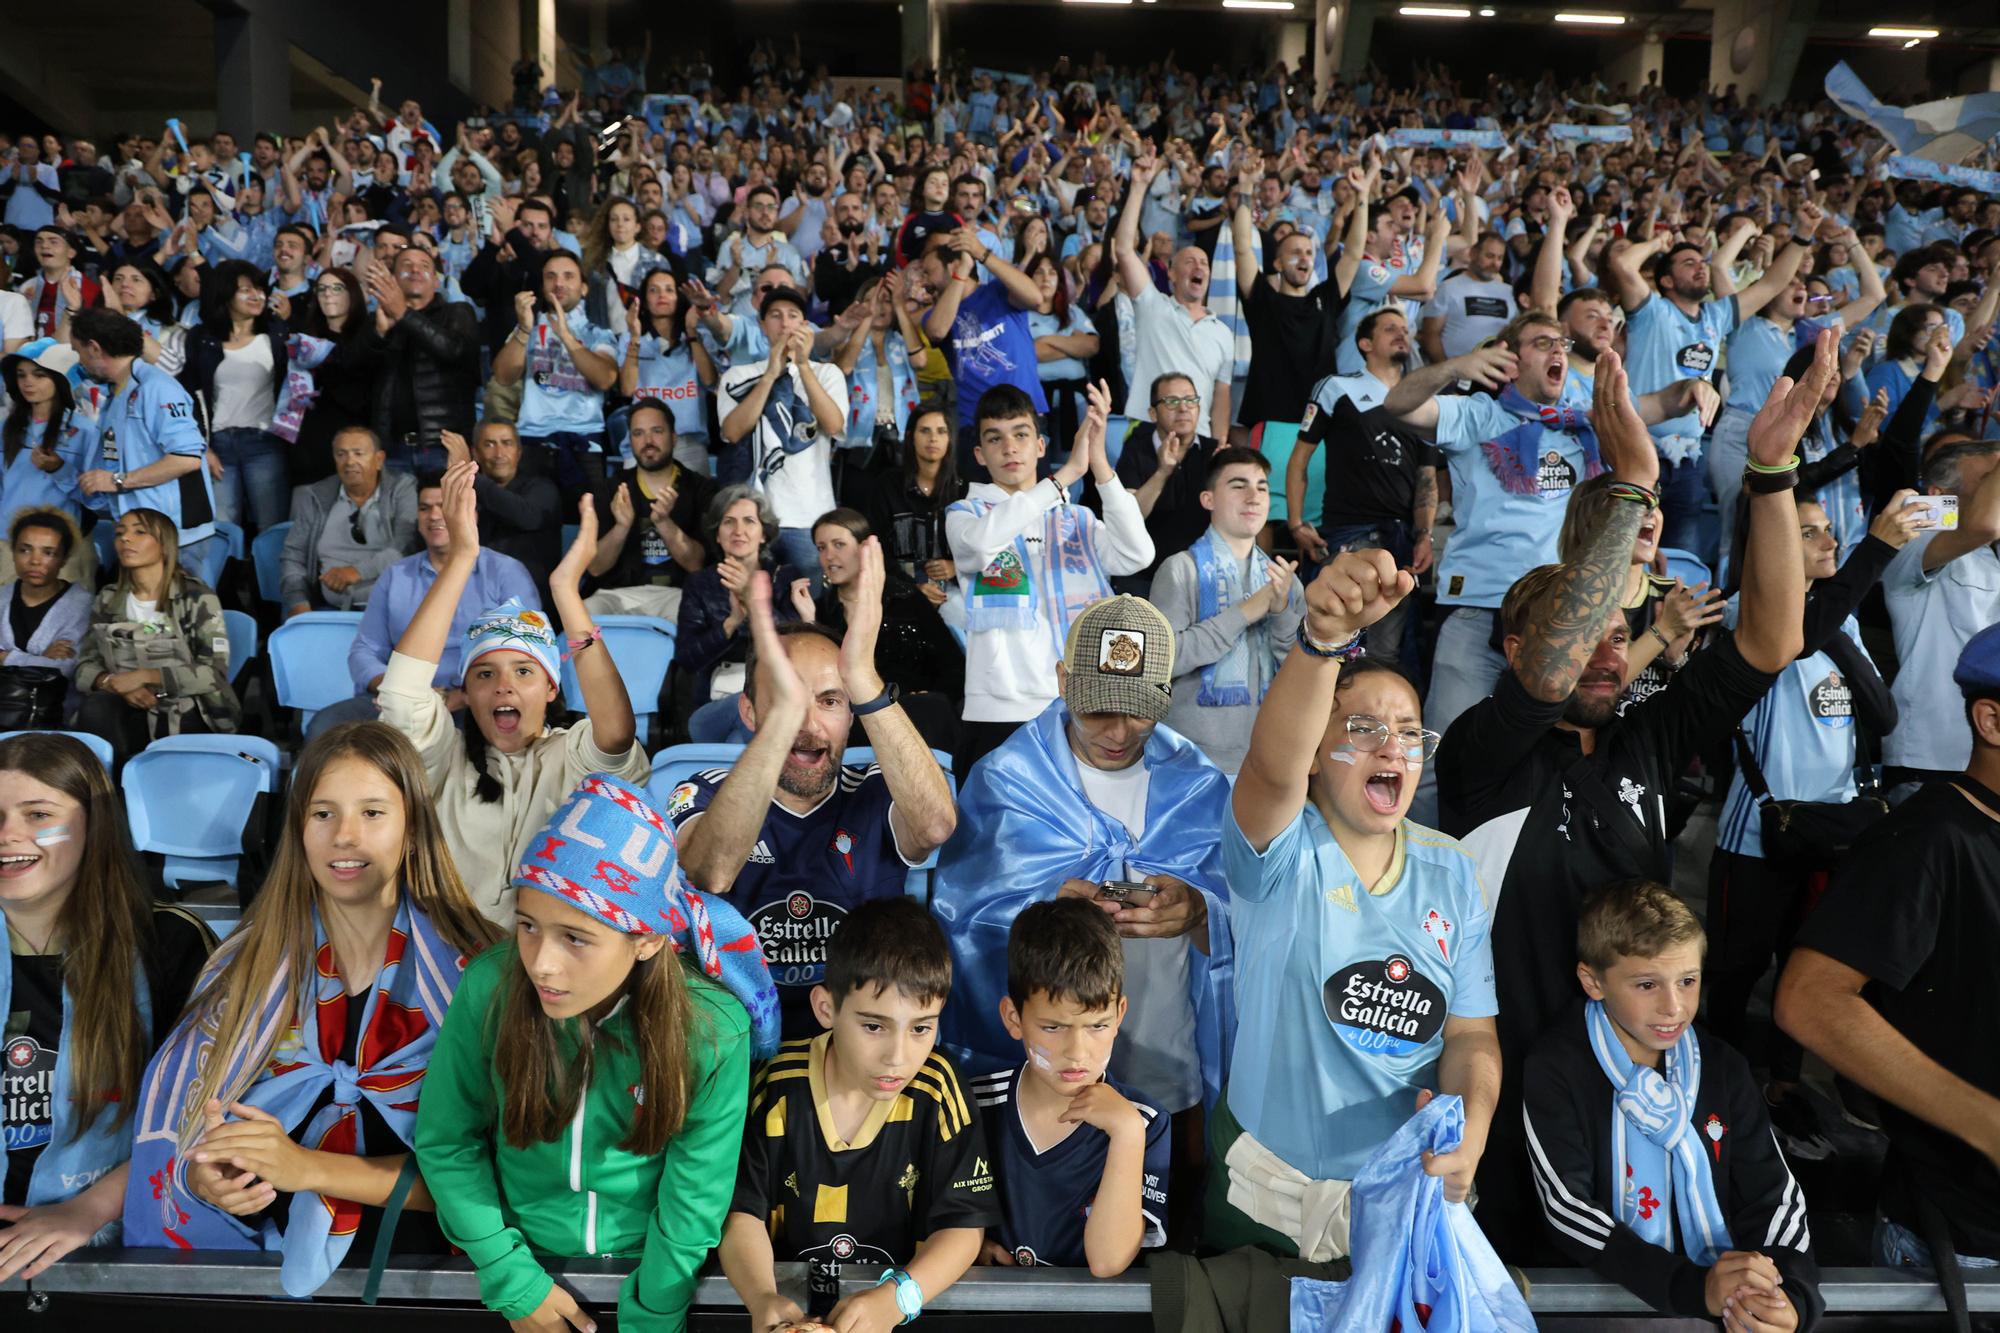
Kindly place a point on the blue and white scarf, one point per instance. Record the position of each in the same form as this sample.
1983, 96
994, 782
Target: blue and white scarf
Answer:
1006, 594
1515, 456
1655, 1149
303, 1023
862, 409
76, 1154
1241, 675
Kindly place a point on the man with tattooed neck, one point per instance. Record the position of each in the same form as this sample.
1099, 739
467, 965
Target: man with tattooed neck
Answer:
1552, 790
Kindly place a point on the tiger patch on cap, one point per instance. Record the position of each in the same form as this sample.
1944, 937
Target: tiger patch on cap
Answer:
1121, 652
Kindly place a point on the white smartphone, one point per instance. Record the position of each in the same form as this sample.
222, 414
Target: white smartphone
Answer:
1944, 510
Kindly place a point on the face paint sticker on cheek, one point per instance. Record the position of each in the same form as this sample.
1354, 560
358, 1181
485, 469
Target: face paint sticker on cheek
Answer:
50, 837
1040, 1058
1344, 753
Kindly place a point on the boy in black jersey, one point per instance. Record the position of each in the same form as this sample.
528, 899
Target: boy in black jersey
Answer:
1082, 1163
861, 1146
1650, 1141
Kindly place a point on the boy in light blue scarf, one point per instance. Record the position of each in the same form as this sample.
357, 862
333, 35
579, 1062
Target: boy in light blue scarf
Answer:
1650, 1142
1234, 609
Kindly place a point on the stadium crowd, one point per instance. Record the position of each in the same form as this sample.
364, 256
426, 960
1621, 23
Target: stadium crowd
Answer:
1309, 568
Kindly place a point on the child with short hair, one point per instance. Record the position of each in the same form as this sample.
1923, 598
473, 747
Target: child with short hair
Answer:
1680, 1194
1082, 1163
860, 1146
1029, 561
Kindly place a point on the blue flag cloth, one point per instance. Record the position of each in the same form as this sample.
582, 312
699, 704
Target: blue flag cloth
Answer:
1025, 826
1951, 129
1416, 1258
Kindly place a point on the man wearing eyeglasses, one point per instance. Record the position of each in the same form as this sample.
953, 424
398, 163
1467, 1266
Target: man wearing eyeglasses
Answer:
758, 244
347, 529
428, 370
1165, 465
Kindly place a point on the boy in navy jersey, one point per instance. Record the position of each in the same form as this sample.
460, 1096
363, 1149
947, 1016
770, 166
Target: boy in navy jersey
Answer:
1650, 1141
1082, 1166
860, 1145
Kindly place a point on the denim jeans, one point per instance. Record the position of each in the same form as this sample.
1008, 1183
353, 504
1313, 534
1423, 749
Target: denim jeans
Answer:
1896, 1246
1683, 491
1385, 636
1728, 451
795, 547
256, 479
1463, 669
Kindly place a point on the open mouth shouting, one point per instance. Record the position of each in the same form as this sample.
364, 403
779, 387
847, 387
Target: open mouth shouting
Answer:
1384, 788
506, 719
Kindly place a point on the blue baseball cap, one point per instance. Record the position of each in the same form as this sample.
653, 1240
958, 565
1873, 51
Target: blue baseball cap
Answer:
1978, 670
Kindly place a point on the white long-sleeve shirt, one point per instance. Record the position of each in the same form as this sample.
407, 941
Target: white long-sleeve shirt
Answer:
1010, 675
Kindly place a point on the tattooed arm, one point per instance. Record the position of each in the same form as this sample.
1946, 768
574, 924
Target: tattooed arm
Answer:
1423, 513
1770, 622
1553, 651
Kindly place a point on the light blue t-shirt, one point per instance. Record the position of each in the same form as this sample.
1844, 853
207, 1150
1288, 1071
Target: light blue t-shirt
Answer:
1663, 345
1369, 293
149, 419
1501, 534
668, 376
1802, 733
1758, 351
554, 394
1066, 368
1341, 1020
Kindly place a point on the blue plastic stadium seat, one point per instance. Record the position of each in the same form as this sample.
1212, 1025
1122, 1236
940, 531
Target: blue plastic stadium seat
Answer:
209, 559
96, 744
309, 660
1686, 566
242, 641
187, 797
232, 539
102, 536
569, 531
264, 554
1115, 431
643, 649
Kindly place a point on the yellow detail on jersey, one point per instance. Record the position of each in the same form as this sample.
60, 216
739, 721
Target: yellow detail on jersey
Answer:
774, 1120
902, 1109
830, 1204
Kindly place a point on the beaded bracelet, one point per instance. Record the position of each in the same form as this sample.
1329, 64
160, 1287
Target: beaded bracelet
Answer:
1338, 652
1639, 495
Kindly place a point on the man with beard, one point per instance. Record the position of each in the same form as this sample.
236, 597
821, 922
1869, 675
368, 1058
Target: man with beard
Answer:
790, 835
1552, 790
1381, 482
654, 541
1585, 312
841, 268
1471, 305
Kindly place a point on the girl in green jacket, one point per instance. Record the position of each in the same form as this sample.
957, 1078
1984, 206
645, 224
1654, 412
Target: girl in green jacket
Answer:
587, 1094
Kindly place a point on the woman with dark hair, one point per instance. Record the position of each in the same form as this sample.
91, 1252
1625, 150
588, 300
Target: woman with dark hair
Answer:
341, 389
930, 213
236, 367
881, 355
156, 660
520, 753
43, 620
907, 509
45, 443
1065, 341
1912, 333
664, 362
93, 978
138, 290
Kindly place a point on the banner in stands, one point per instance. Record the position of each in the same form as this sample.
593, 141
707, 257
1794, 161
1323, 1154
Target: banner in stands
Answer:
1922, 169
1591, 133
1447, 138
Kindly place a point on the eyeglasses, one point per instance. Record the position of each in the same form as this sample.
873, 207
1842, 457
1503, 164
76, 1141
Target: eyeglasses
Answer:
1177, 402
1546, 343
330, 289
1368, 735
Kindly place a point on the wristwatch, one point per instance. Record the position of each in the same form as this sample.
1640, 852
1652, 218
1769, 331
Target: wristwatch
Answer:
118, 480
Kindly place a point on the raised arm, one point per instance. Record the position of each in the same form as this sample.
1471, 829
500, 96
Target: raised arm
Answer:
923, 813
1414, 399
1770, 628
1552, 653
1422, 285
430, 627
715, 846
1856, 312
1243, 226
1784, 265
1132, 274
1547, 289
1624, 272
1351, 251
1352, 593
609, 708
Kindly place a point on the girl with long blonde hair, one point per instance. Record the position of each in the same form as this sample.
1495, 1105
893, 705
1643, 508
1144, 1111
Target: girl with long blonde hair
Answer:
279, 1114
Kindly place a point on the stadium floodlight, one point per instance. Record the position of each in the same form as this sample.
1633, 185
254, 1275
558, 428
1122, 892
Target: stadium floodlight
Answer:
1920, 34
1258, 4
1434, 12
1602, 20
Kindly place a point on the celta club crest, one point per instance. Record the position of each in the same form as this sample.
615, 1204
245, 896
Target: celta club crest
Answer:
1439, 929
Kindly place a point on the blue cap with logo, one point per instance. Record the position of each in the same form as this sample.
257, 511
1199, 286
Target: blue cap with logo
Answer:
1978, 671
